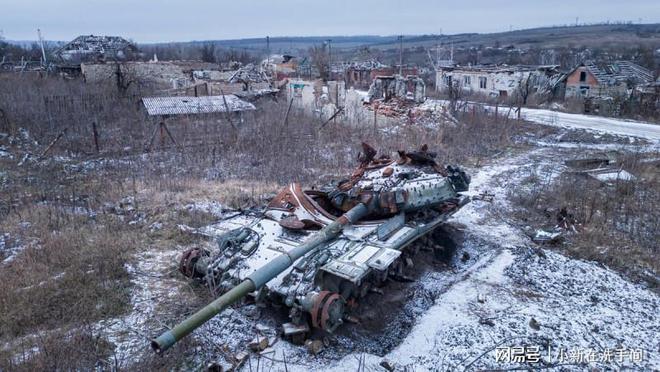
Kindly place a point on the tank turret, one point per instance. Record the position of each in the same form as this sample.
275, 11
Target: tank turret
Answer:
315, 250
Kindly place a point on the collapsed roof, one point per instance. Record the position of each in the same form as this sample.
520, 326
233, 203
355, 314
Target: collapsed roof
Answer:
249, 74
619, 72
503, 68
195, 105
365, 65
91, 48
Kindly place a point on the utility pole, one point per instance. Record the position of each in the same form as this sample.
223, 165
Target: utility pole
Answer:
451, 55
43, 51
329, 42
267, 51
401, 55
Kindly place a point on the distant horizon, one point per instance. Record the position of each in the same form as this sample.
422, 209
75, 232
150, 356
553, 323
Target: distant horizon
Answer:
205, 20
603, 23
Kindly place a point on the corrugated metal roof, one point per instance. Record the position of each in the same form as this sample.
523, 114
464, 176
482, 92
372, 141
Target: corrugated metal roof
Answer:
618, 72
194, 105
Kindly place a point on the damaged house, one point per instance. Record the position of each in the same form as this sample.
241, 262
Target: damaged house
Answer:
280, 66
160, 75
499, 80
385, 88
360, 75
186, 78
91, 48
590, 79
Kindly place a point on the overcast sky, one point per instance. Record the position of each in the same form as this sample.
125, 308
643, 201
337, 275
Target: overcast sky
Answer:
179, 20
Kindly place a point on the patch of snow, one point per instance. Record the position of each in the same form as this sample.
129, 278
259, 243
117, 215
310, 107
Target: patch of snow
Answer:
515, 296
608, 176
131, 333
597, 123
5, 154
9, 251
211, 207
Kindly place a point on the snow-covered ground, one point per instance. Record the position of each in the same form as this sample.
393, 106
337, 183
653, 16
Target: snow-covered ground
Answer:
509, 294
596, 123
601, 124
575, 314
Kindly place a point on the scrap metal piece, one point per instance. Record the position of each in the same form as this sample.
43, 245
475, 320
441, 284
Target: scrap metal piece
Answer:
292, 223
391, 226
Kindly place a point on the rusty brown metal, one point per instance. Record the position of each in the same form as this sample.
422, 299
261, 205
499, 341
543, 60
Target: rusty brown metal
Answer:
388, 202
325, 314
188, 260
284, 200
292, 223
367, 155
317, 307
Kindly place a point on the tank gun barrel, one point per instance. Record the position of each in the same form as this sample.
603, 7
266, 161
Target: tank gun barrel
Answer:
257, 279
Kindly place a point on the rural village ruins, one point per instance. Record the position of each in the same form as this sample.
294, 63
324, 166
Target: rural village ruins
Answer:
440, 203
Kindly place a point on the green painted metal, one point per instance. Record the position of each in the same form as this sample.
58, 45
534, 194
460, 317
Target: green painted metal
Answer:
257, 279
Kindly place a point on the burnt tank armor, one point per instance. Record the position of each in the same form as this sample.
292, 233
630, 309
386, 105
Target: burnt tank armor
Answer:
319, 251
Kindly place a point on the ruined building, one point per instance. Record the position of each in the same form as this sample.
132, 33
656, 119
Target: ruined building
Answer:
91, 48
497, 80
590, 79
385, 88
360, 75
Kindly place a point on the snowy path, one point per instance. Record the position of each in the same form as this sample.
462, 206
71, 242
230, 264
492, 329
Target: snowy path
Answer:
517, 295
575, 121
597, 123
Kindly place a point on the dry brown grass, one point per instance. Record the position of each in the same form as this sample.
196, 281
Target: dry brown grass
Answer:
618, 224
234, 194
73, 271
78, 350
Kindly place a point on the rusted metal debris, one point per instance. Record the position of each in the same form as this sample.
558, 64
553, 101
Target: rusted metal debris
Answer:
484, 196
320, 251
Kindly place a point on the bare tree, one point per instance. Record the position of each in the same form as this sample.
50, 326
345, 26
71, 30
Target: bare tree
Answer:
208, 53
525, 88
456, 93
124, 76
321, 60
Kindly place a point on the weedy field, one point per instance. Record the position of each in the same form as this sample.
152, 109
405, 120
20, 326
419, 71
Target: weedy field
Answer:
85, 202
73, 218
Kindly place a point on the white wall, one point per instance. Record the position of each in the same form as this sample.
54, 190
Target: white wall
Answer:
496, 82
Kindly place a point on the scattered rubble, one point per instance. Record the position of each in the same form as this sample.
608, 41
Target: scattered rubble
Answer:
314, 346
259, 343
385, 88
547, 237
91, 48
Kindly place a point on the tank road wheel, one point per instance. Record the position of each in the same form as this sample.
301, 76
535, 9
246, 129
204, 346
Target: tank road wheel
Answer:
189, 260
327, 311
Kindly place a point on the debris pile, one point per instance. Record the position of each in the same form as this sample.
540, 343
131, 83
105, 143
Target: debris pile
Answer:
385, 88
91, 48
398, 97
602, 168
249, 74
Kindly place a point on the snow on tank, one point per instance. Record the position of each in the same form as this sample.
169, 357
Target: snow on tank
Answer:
317, 250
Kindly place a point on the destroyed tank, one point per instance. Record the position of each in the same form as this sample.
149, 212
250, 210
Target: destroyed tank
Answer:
320, 251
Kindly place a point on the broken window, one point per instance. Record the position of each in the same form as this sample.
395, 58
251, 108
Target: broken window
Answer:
583, 76
466, 80
482, 82
584, 90
447, 79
